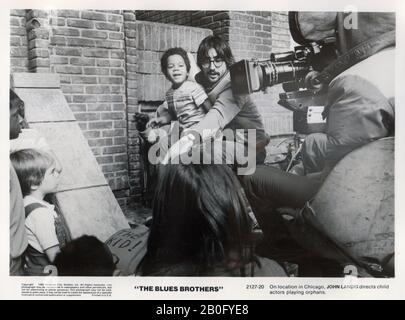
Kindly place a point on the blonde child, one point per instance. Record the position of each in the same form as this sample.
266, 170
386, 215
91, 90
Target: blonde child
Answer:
39, 176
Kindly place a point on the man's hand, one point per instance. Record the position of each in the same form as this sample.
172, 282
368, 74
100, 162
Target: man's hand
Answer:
157, 122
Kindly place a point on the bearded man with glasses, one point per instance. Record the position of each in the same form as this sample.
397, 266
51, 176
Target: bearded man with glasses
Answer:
229, 109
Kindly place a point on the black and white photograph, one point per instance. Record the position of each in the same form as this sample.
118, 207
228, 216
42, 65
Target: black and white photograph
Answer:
213, 144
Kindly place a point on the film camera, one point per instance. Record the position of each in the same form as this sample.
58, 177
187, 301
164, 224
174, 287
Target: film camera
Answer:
297, 71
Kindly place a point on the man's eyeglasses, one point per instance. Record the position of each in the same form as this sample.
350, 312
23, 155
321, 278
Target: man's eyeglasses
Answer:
218, 62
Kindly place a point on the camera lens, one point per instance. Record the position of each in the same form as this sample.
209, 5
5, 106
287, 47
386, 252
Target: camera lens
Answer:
280, 72
251, 76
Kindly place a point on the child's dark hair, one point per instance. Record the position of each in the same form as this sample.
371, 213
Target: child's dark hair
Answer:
30, 166
171, 52
85, 256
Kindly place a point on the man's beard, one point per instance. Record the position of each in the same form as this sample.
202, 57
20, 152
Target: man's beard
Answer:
202, 79
213, 73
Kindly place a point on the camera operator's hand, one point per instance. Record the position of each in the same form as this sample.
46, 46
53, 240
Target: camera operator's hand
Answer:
312, 82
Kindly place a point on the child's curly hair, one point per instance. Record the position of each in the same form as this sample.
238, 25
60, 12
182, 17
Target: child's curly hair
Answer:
171, 52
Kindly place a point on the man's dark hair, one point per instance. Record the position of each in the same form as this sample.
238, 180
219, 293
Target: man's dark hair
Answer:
171, 52
221, 47
85, 256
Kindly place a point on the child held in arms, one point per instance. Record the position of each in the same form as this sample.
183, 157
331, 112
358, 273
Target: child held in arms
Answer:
186, 101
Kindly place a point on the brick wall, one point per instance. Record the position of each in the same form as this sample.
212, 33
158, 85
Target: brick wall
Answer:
217, 21
38, 34
88, 49
18, 41
131, 66
252, 33
168, 16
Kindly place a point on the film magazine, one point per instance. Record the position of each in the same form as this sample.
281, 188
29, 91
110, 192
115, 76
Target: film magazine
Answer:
160, 151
